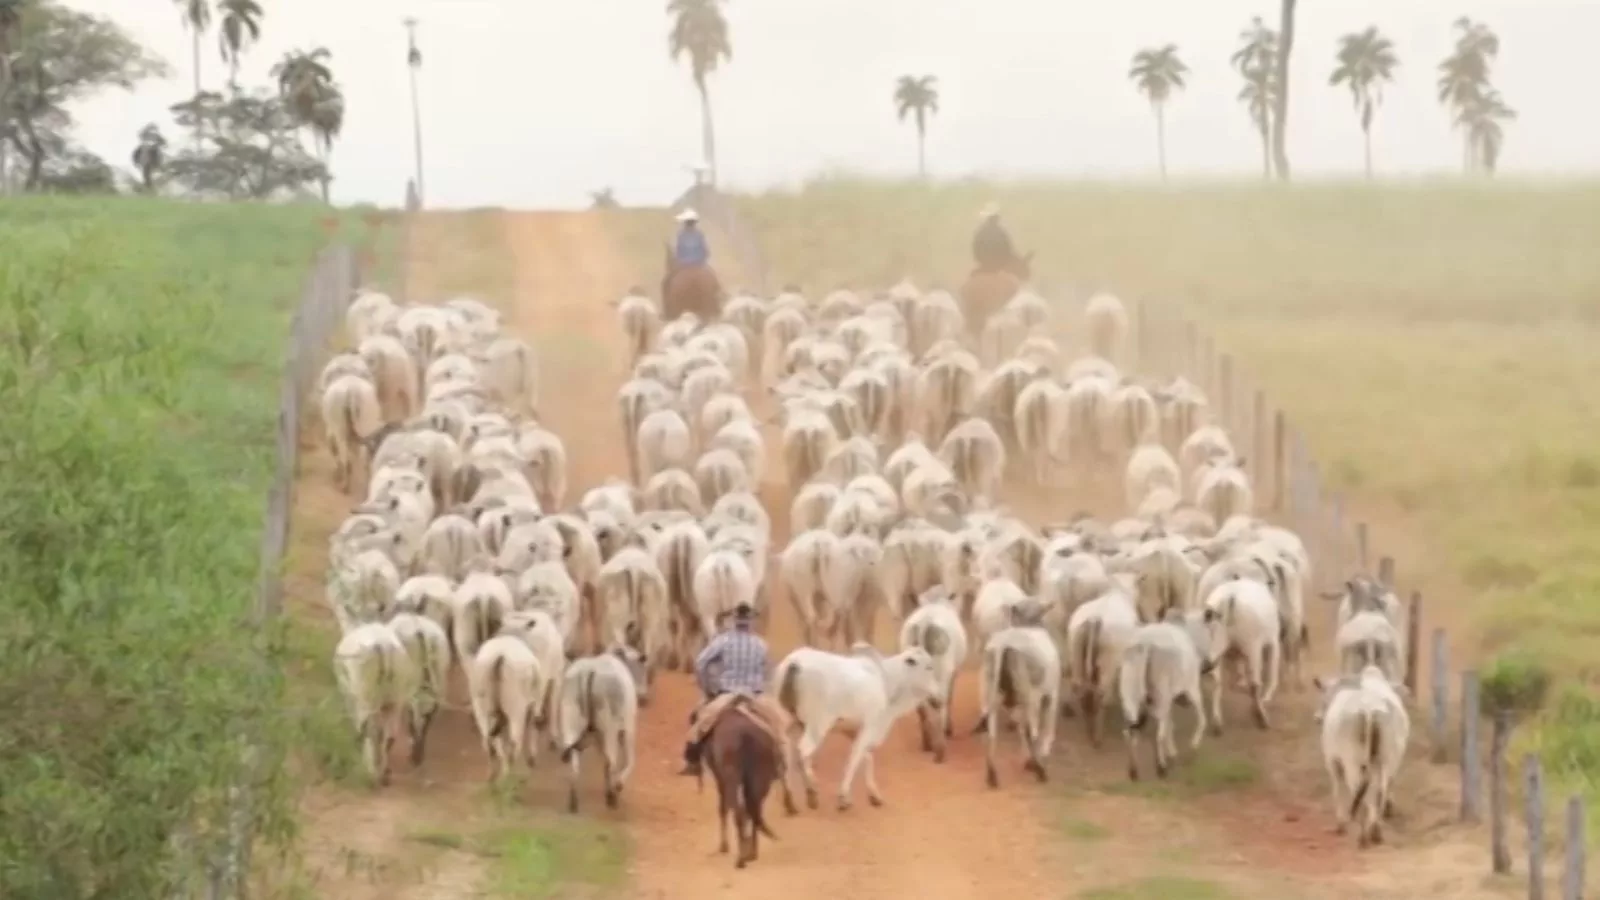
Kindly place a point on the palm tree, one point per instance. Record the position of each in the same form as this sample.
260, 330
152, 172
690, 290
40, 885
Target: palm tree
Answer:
305, 82
241, 27
413, 66
326, 120
1366, 59
1157, 74
196, 18
1481, 120
1256, 60
604, 198
917, 97
1280, 108
700, 32
150, 155
1464, 77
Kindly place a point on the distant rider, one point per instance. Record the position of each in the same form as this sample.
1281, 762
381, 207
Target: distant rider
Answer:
991, 245
691, 248
739, 656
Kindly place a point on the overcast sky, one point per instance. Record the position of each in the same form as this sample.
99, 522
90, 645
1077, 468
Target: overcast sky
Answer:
532, 104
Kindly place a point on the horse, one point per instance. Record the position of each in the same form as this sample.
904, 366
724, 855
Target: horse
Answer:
988, 289
689, 289
745, 760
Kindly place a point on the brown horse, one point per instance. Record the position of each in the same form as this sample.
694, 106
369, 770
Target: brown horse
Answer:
987, 290
745, 760
689, 289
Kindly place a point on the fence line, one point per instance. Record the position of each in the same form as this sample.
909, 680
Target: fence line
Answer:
327, 294
1284, 472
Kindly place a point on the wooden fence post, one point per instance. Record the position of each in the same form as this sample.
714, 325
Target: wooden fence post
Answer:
1386, 571
1280, 461
1441, 694
1413, 639
1361, 547
1470, 770
1572, 882
1499, 846
1258, 437
1225, 390
1533, 805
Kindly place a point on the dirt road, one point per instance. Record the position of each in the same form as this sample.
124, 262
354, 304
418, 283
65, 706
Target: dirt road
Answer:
942, 834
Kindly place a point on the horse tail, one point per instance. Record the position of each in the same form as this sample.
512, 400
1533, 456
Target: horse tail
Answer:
749, 769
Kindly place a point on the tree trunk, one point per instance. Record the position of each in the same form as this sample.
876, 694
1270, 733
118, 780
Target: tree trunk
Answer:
1280, 118
1366, 146
708, 137
198, 126
1266, 153
922, 151
1161, 139
416, 135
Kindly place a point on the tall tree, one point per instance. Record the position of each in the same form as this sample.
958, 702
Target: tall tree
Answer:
241, 27
1280, 112
252, 148
60, 56
10, 25
1366, 60
1256, 60
918, 97
700, 33
1483, 122
312, 99
604, 198
196, 18
149, 156
1464, 80
1158, 73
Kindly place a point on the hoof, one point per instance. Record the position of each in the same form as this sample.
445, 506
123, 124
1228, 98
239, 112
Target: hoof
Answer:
938, 754
844, 804
572, 802
416, 755
611, 799
991, 777
812, 800
1376, 837
1036, 768
1261, 720
722, 848
1133, 773
741, 864
1339, 828
789, 808
1215, 729
1161, 771
875, 800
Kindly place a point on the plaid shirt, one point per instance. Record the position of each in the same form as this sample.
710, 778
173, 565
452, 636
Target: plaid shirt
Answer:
740, 656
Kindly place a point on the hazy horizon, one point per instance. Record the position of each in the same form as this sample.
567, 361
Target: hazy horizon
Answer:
1027, 89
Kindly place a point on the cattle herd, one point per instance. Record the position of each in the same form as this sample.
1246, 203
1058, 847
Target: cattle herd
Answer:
895, 429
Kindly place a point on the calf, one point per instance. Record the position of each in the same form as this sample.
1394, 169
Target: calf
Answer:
936, 627
1164, 661
1022, 671
820, 689
1244, 618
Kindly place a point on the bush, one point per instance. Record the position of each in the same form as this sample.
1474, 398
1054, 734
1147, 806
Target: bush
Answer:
139, 348
1515, 683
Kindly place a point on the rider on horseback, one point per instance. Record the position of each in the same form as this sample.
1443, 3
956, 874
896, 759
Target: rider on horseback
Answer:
740, 658
691, 248
991, 245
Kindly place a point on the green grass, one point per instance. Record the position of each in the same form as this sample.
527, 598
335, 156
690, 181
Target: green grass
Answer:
1083, 831
1434, 342
140, 347
541, 858
1160, 887
1210, 770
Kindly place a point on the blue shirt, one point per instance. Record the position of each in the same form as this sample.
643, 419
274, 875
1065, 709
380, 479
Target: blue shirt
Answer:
692, 249
742, 658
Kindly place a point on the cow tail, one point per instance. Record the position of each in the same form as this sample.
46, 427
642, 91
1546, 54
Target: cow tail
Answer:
1371, 747
1135, 684
789, 692
1089, 652
586, 707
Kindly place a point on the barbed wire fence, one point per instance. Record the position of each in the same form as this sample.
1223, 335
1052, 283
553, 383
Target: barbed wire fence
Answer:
1289, 485
332, 282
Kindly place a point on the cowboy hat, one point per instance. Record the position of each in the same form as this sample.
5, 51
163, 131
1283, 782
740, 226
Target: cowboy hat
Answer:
688, 215
990, 210
744, 612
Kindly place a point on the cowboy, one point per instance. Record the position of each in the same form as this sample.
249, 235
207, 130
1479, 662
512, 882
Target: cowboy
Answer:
691, 249
991, 245
740, 658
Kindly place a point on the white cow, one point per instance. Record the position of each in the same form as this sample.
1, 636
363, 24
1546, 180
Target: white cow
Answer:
1365, 729
601, 694
936, 627
820, 689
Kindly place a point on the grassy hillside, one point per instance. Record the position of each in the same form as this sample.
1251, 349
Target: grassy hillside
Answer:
140, 348
1435, 343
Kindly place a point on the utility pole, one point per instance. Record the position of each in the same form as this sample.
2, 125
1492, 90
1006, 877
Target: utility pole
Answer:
414, 62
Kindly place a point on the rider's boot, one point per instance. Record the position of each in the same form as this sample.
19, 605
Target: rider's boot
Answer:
691, 759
